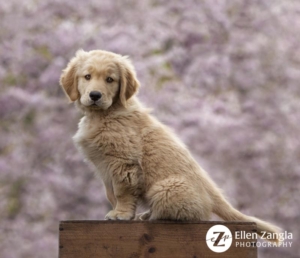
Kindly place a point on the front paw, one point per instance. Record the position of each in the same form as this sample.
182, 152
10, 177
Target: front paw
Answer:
119, 215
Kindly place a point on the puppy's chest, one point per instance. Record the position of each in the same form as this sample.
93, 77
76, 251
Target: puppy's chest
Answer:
104, 141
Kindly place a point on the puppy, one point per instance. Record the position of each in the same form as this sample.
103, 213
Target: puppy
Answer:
139, 159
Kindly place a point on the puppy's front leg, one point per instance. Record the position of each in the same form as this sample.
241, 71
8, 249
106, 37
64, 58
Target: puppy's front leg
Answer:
125, 187
110, 194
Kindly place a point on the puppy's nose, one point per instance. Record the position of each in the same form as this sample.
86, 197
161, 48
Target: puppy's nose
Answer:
95, 95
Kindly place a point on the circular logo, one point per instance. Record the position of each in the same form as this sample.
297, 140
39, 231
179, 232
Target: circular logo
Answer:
218, 238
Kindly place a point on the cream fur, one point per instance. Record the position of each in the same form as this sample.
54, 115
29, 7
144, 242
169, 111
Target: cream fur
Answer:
138, 158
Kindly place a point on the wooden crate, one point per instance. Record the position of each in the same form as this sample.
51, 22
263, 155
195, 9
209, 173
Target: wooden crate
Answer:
159, 239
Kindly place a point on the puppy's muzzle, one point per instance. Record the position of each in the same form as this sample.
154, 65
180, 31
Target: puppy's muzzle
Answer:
95, 95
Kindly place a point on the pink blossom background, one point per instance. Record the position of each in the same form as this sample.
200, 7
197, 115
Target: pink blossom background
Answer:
224, 74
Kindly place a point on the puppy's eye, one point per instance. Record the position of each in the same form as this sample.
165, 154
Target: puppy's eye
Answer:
109, 79
87, 77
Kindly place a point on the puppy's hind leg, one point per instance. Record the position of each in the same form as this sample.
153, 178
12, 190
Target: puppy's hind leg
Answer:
176, 199
143, 216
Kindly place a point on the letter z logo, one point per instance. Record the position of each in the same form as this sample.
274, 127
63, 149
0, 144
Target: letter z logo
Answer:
219, 238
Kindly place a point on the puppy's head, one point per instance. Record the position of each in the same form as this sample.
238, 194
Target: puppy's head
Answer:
99, 79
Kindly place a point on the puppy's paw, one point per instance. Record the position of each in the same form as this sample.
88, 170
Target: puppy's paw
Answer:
143, 216
119, 215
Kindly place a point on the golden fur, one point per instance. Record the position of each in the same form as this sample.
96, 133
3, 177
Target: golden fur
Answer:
139, 159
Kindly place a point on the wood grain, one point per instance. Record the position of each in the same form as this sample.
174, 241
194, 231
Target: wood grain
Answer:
157, 239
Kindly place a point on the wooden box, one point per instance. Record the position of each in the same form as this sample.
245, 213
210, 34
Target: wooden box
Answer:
159, 239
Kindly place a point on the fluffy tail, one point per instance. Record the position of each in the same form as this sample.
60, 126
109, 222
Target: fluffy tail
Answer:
224, 210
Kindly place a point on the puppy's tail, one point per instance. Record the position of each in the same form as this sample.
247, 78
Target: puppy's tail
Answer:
224, 210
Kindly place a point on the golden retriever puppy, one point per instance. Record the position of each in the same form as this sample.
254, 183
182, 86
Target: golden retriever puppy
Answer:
138, 158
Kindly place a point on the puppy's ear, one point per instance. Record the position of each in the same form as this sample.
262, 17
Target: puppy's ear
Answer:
68, 79
129, 84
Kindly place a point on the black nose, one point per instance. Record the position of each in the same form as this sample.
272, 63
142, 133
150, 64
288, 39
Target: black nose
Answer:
95, 95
